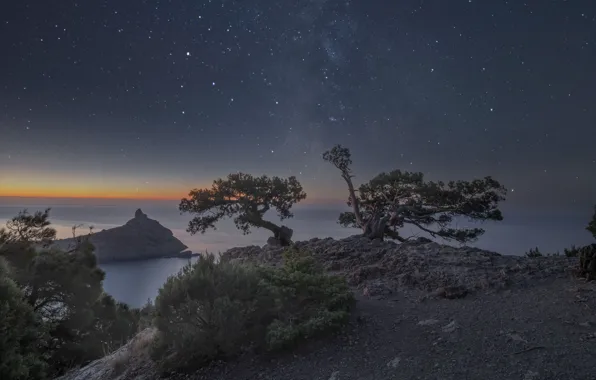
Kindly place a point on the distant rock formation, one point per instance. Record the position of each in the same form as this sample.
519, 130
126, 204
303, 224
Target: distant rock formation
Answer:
139, 239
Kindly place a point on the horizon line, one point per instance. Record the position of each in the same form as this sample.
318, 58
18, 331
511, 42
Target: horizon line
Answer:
123, 198
90, 197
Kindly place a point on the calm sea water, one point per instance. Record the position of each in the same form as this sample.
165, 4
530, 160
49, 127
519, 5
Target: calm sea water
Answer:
135, 282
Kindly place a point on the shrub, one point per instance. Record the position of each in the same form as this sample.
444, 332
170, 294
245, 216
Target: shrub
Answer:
573, 251
534, 253
146, 315
587, 262
216, 310
209, 310
21, 333
309, 302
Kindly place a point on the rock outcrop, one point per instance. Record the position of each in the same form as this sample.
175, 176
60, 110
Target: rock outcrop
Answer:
377, 268
139, 239
131, 361
383, 267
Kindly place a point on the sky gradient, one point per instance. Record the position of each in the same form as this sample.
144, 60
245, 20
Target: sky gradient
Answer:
149, 99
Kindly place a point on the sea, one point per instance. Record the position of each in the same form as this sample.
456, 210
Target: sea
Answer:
137, 282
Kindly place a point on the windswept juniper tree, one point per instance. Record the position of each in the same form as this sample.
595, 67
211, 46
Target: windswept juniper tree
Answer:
392, 200
247, 199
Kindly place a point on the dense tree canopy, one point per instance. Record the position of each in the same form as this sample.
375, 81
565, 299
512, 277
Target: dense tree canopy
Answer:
247, 199
21, 331
392, 200
64, 291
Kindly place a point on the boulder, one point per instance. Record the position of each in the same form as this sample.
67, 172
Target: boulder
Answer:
139, 239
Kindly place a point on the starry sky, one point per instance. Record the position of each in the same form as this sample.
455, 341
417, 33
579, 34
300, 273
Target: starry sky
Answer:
150, 98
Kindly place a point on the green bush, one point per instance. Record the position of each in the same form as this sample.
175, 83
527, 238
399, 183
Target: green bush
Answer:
534, 253
309, 302
216, 310
64, 291
21, 333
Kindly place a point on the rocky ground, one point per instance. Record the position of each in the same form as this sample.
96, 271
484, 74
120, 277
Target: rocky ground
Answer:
383, 268
424, 311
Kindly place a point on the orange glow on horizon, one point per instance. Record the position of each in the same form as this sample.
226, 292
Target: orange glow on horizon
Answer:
146, 197
52, 193
40, 184
91, 196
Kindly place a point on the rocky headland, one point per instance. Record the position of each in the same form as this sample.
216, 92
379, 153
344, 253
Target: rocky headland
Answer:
141, 238
424, 311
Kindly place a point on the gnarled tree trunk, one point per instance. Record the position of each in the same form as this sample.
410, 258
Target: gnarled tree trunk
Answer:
281, 234
375, 227
284, 236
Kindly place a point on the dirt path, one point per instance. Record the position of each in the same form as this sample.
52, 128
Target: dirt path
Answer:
547, 331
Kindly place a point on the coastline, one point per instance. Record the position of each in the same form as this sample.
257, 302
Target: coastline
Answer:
149, 258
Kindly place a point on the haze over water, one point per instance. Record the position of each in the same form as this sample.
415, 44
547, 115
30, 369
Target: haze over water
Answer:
135, 282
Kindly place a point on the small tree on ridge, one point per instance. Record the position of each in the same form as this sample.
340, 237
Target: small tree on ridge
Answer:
247, 199
391, 200
29, 228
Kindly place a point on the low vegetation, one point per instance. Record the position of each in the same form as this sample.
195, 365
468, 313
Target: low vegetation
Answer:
217, 310
586, 254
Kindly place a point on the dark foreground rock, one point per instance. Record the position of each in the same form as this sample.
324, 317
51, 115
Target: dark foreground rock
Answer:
383, 267
140, 238
426, 311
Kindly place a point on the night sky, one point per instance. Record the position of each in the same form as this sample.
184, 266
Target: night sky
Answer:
152, 98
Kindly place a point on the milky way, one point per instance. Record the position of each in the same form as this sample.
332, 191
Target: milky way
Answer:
162, 95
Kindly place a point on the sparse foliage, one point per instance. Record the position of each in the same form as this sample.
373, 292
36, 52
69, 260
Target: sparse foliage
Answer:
216, 310
247, 199
534, 253
572, 251
392, 200
28, 228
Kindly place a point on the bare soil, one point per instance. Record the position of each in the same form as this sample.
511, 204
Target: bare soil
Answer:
546, 331
424, 311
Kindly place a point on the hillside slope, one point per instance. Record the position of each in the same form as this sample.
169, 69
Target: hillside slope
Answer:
536, 322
